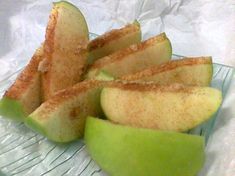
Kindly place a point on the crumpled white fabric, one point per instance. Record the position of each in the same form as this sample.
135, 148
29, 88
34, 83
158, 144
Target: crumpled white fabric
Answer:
202, 27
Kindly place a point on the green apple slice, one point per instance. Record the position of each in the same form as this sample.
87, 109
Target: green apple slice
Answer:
127, 151
190, 71
24, 96
153, 51
65, 48
175, 107
114, 40
62, 117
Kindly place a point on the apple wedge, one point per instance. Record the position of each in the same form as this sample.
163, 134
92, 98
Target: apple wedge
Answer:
153, 51
24, 96
114, 40
190, 71
175, 107
65, 49
127, 151
62, 117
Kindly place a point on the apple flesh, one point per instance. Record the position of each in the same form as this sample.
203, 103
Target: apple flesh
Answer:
196, 71
65, 49
24, 96
62, 117
153, 51
127, 151
114, 40
174, 107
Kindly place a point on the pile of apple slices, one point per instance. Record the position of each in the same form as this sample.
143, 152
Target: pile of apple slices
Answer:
148, 100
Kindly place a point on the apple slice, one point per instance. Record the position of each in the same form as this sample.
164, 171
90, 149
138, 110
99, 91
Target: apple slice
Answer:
190, 71
114, 40
62, 117
128, 151
24, 96
136, 57
65, 48
175, 107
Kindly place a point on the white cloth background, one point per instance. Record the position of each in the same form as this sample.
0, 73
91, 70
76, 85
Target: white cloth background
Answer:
202, 27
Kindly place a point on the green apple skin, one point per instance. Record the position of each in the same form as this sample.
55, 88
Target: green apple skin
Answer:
127, 151
104, 76
12, 109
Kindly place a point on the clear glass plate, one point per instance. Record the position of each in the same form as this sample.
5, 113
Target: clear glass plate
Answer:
24, 152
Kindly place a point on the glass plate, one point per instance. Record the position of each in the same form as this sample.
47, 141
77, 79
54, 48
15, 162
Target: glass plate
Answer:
24, 152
